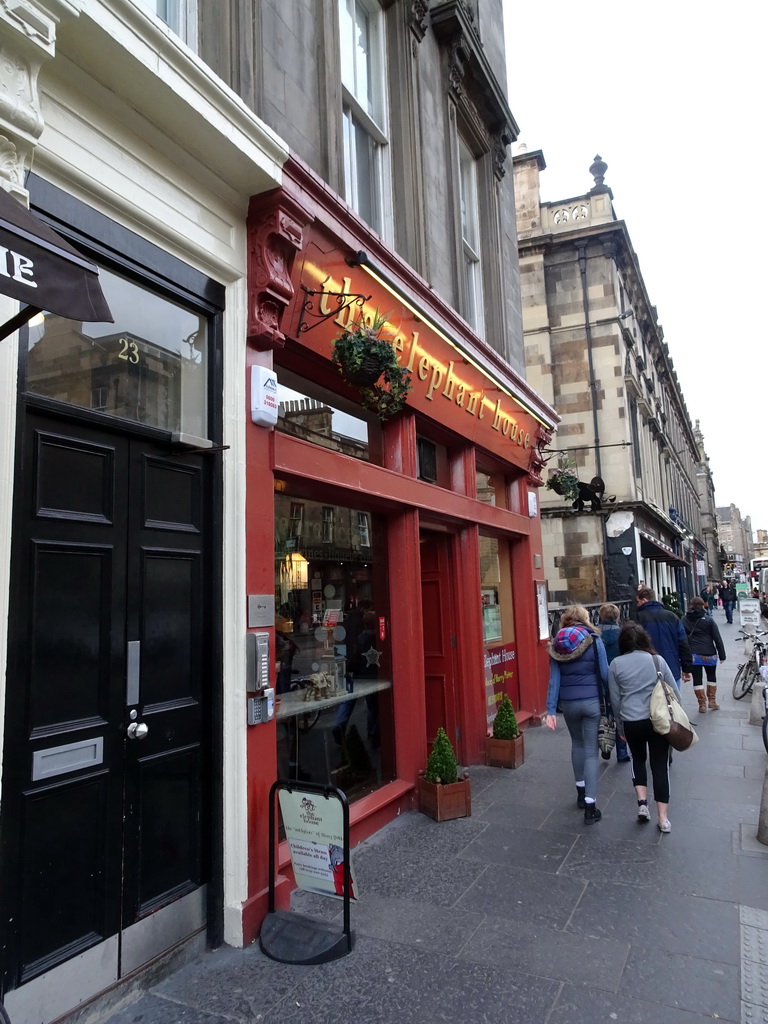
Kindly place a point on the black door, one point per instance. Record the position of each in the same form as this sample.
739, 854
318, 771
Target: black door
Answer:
105, 774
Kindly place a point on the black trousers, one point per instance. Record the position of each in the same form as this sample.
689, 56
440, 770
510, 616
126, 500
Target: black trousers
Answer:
646, 745
696, 672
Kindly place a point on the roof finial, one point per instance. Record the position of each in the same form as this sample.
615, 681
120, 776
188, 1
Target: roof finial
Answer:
597, 170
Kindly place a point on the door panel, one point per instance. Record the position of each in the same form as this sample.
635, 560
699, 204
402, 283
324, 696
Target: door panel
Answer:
439, 636
98, 829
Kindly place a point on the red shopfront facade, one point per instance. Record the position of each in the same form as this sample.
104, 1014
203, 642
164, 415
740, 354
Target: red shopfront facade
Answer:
402, 555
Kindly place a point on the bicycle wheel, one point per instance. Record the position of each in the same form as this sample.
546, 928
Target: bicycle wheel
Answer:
308, 719
765, 732
741, 681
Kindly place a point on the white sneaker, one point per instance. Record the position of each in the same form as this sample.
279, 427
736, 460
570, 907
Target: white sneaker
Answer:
643, 814
664, 826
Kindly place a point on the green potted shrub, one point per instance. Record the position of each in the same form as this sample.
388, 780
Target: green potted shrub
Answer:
506, 747
366, 359
442, 794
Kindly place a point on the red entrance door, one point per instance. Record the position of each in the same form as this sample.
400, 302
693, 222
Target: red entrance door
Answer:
439, 623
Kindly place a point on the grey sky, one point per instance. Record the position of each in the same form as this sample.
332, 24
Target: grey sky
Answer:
671, 96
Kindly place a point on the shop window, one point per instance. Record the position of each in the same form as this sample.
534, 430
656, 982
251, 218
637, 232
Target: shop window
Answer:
149, 366
491, 487
426, 453
364, 112
333, 662
470, 239
500, 654
313, 414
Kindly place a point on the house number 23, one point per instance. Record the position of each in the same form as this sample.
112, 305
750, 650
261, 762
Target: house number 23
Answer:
129, 351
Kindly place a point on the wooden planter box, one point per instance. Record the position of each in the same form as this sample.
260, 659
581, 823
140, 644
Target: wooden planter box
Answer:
505, 753
445, 802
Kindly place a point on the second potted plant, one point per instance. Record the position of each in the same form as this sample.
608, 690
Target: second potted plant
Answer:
442, 794
506, 747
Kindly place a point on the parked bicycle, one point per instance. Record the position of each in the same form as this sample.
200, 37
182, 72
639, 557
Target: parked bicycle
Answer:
748, 673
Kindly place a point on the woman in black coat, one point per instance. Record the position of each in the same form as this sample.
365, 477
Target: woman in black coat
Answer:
706, 647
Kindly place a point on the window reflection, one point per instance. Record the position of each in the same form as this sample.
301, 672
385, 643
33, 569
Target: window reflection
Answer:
334, 711
149, 366
307, 412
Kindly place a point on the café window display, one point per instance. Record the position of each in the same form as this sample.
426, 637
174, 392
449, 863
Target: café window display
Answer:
332, 646
497, 611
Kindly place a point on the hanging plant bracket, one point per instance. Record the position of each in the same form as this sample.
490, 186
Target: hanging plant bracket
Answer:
341, 299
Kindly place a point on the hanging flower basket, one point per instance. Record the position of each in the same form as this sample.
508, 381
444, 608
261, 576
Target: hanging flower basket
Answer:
367, 373
564, 481
367, 360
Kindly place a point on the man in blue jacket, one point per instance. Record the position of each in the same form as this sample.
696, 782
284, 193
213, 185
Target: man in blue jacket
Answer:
666, 632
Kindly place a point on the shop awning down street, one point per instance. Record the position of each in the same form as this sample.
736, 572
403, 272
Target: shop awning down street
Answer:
650, 547
39, 268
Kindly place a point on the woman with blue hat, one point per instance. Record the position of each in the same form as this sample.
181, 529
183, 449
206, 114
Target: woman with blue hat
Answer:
578, 675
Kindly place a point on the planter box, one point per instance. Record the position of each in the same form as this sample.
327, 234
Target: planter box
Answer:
505, 753
445, 802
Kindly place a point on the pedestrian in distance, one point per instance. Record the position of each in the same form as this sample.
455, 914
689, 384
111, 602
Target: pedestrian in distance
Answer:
706, 647
728, 597
578, 675
631, 679
667, 634
608, 617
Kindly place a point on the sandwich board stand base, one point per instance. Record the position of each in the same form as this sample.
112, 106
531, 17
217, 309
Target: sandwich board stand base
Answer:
296, 939
292, 938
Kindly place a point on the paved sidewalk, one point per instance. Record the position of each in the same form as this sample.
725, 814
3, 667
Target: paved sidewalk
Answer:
522, 914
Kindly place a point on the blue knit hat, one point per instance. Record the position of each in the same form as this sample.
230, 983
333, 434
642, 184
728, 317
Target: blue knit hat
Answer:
569, 638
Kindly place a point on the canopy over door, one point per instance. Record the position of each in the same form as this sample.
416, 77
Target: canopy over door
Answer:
40, 268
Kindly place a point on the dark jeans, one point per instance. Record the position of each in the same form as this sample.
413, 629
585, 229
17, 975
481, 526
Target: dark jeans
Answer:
645, 743
728, 609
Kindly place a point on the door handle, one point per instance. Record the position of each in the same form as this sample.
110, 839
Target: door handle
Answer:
137, 730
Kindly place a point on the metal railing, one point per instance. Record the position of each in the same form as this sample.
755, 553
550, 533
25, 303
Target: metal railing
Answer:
626, 608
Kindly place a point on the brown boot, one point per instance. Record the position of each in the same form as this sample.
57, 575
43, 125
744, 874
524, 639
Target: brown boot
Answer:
701, 697
711, 694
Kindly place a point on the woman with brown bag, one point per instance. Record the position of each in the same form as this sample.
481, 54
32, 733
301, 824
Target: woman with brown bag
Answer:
631, 680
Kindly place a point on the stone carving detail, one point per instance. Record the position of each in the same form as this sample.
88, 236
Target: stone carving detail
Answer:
501, 140
456, 68
11, 168
564, 215
275, 235
538, 459
418, 21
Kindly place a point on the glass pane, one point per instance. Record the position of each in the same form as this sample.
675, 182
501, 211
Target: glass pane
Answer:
364, 83
491, 488
500, 658
304, 412
149, 366
366, 172
332, 648
347, 43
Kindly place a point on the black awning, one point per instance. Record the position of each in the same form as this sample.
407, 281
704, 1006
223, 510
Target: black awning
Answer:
40, 268
650, 547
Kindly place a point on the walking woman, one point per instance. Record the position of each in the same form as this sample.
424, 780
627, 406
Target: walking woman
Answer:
578, 673
706, 647
631, 679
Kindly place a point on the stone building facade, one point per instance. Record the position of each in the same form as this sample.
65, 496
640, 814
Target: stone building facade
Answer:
596, 350
709, 534
736, 540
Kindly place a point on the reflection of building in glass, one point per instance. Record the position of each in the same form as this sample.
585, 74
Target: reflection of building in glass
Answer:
120, 374
312, 420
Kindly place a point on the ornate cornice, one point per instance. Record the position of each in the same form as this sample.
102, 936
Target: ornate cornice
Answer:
470, 76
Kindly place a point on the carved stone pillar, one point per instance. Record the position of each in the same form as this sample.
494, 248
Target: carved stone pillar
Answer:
27, 40
276, 225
